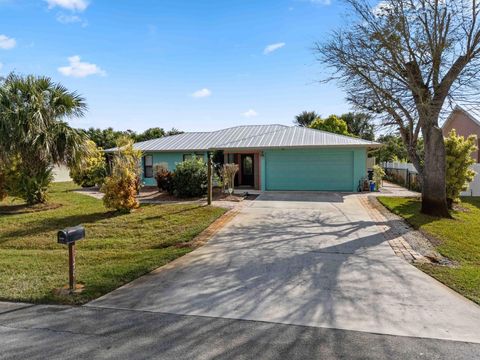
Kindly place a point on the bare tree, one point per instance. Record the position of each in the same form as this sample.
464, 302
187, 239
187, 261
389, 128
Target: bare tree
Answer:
404, 60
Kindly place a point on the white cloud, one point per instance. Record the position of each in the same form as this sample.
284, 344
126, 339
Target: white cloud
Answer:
73, 5
80, 69
250, 113
202, 93
71, 19
273, 47
6, 42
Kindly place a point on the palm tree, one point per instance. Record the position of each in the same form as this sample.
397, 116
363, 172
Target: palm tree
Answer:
305, 118
34, 134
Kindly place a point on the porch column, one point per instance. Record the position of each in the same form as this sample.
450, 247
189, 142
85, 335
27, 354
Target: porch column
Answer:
210, 179
263, 173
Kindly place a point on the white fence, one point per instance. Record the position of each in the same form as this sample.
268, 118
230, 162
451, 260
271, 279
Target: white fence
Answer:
400, 166
472, 190
474, 186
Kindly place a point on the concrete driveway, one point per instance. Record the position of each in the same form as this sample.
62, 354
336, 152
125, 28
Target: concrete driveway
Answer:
314, 259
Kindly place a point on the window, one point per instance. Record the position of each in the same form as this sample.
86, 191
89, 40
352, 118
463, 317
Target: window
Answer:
189, 156
148, 166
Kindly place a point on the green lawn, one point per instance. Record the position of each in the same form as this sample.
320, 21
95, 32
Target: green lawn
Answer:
457, 239
118, 247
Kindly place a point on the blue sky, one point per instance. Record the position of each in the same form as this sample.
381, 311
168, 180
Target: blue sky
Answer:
192, 65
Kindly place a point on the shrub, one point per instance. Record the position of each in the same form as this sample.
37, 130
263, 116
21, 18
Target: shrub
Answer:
378, 175
27, 180
120, 191
458, 161
164, 179
190, 178
122, 186
228, 176
92, 170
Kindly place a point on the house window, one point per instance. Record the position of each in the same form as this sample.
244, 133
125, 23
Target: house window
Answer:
148, 166
189, 156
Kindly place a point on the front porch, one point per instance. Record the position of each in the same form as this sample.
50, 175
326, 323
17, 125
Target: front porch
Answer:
248, 176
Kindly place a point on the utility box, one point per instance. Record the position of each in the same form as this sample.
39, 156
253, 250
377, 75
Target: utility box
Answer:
70, 235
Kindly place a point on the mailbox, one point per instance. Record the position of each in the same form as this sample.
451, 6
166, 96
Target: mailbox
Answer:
70, 235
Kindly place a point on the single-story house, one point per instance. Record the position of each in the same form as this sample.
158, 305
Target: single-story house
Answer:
465, 119
270, 157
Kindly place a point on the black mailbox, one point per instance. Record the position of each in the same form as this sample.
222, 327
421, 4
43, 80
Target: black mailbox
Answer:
71, 234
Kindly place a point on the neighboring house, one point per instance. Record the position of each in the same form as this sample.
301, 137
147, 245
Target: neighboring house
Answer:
270, 157
466, 121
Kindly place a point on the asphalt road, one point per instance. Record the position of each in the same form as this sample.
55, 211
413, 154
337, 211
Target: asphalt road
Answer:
62, 332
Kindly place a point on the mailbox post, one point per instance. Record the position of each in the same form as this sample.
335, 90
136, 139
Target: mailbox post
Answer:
72, 283
68, 237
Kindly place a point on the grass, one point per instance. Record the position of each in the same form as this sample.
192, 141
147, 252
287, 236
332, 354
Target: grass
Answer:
118, 247
457, 239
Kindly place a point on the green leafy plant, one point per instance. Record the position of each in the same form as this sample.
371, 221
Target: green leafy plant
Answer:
190, 178
92, 170
33, 130
458, 161
164, 178
331, 124
378, 175
228, 174
305, 118
122, 186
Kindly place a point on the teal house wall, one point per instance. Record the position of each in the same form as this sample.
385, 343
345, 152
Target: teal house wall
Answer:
313, 169
359, 166
171, 159
335, 169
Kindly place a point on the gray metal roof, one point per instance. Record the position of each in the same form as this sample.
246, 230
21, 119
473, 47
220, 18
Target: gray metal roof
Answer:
295, 136
249, 136
205, 140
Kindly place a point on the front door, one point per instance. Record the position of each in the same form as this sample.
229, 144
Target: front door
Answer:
247, 170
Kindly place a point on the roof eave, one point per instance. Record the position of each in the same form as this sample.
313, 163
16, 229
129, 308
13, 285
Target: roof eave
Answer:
374, 145
463, 110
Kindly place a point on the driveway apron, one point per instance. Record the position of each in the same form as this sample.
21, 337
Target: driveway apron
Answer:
314, 259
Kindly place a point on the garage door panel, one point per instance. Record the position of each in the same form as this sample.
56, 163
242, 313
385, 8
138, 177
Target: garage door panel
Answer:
309, 170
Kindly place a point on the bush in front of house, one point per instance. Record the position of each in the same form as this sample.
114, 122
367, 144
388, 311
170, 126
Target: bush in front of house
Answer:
228, 176
190, 178
378, 175
92, 170
122, 186
164, 179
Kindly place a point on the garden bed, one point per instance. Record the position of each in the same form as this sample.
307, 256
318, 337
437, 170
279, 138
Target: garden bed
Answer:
151, 194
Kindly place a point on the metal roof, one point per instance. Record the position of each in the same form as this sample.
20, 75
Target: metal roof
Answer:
249, 136
205, 140
295, 136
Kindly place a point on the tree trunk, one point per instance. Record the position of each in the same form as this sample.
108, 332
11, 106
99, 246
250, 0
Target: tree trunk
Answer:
434, 195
